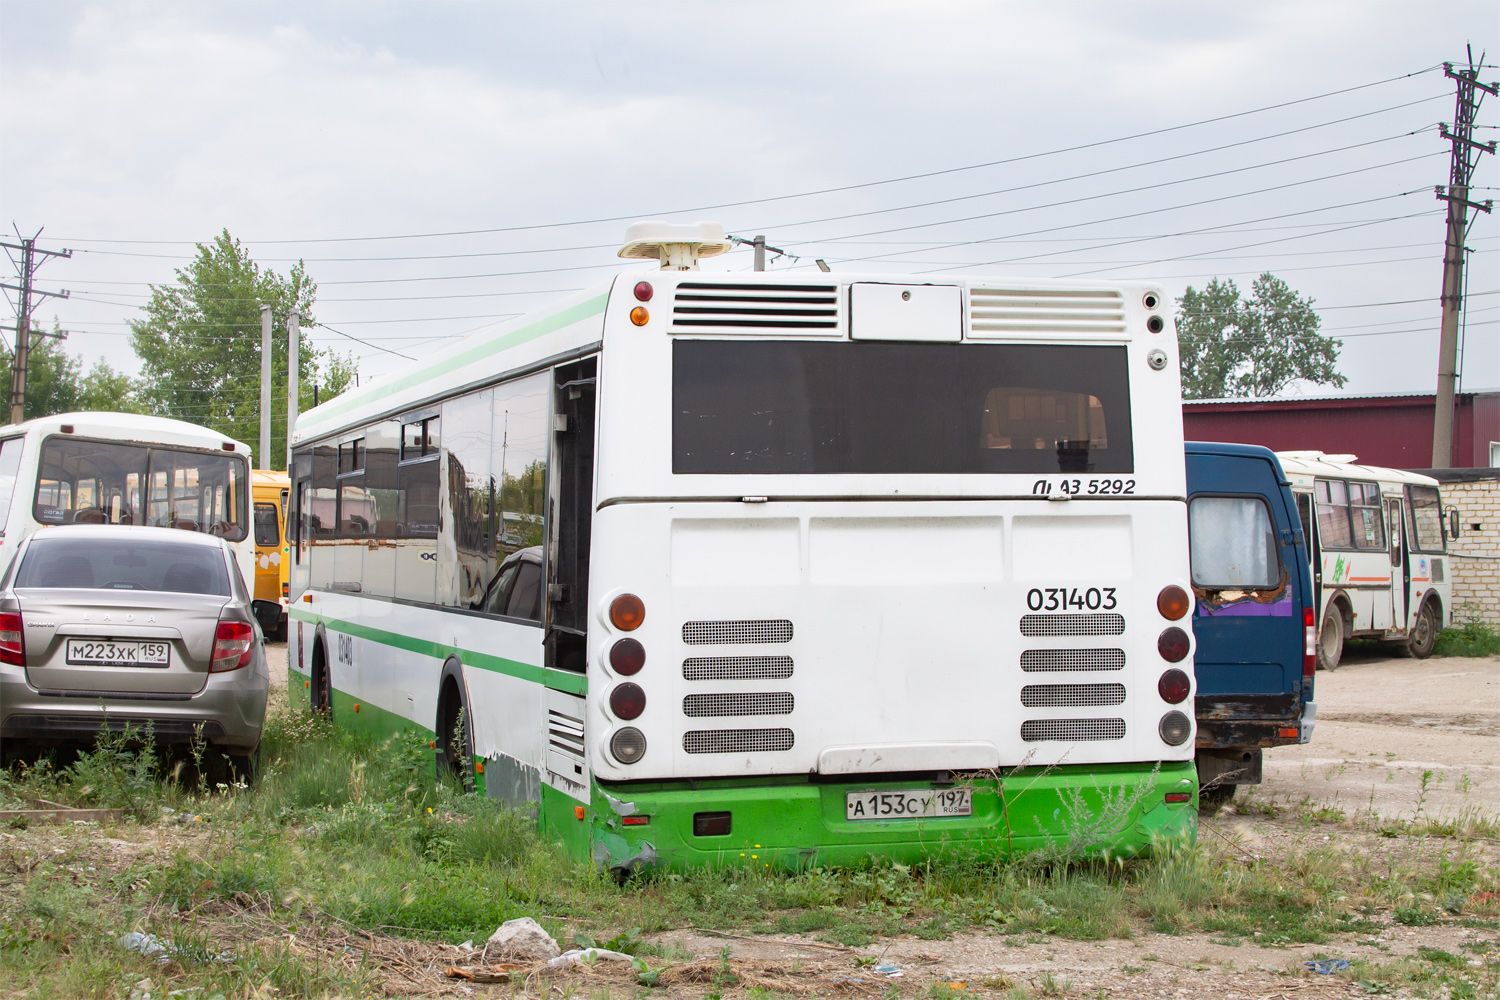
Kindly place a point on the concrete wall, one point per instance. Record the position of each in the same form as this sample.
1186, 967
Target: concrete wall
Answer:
1475, 566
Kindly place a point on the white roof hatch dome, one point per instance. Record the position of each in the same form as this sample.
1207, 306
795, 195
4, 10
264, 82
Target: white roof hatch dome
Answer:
677, 246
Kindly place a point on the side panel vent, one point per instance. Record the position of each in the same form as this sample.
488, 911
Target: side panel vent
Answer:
736, 740
1083, 624
725, 307
1044, 660
721, 704
765, 630
996, 313
736, 668
1038, 730
1072, 695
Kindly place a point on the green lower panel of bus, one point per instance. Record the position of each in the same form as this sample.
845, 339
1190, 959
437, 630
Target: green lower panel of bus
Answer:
1119, 809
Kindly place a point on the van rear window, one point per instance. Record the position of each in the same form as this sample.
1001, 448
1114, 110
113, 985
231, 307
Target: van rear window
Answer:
850, 407
96, 563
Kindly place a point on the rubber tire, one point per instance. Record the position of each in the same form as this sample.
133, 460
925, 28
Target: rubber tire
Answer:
321, 700
1215, 797
1331, 639
1424, 632
458, 752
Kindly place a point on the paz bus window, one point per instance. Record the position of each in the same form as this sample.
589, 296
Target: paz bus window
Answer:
10, 464
786, 407
1427, 519
267, 531
1369, 519
1333, 513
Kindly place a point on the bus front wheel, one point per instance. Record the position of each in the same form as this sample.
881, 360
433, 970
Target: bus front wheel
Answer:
1331, 638
1424, 632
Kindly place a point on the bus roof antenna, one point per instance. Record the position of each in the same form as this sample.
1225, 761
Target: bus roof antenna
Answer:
678, 247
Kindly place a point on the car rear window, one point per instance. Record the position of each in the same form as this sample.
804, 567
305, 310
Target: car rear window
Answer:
123, 564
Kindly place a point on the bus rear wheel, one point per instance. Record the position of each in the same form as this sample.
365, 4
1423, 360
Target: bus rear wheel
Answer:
456, 757
1423, 632
1331, 639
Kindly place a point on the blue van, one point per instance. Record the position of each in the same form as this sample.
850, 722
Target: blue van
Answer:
1253, 616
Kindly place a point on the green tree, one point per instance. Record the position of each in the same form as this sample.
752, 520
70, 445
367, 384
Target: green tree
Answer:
55, 382
1251, 347
199, 345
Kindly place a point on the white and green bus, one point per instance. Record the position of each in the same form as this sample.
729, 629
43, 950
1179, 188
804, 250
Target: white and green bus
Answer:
779, 569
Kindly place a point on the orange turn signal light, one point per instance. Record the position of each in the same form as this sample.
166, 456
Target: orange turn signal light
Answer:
1173, 603
640, 316
578, 812
626, 612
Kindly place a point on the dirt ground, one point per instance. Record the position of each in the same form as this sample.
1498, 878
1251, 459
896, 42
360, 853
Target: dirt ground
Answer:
1383, 724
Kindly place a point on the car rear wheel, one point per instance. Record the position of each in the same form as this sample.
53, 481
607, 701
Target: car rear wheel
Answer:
1424, 632
1331, 639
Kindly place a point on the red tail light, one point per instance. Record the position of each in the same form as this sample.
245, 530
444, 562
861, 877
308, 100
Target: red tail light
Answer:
1174, 687
1173, 645
12, 647
234, 644
627, 701
1310, 648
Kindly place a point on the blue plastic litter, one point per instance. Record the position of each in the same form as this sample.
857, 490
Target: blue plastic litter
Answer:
1328, 966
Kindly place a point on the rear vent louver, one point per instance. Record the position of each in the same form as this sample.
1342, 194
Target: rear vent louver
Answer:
723, 307
565, 734
736, 740
714, 633
1039, 730
1079, 624
1044, 660
1009, 312
1072, 695
736, 668
721, 704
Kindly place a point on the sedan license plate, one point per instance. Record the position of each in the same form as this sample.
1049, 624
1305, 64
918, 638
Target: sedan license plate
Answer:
113, 653
909, 803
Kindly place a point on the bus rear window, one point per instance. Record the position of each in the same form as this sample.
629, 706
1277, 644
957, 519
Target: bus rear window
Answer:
779, 407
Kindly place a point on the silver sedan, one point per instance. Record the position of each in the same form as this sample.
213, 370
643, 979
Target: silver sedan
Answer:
104, 626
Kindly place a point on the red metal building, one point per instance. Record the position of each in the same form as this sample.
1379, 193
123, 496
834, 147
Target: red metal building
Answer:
1392, 431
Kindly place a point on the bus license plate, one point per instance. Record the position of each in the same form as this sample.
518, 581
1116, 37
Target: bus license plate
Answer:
909, 803
109, 653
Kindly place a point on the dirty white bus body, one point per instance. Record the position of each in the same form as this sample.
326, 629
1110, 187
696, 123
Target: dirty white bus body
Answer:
1378, 540
124, 468
782, 568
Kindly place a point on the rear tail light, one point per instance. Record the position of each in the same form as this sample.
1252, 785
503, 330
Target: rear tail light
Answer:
627, 657
1174, 686
1173, 603
234, 644
286, 590
626, 612
1174, 729
628, 745
1177, 798
1173, 645
12, 647
1310, 644
627, 701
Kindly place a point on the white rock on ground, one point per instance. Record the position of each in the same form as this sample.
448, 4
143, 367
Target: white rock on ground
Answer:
521, 940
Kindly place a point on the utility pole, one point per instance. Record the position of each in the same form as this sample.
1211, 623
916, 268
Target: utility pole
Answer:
293, 355
29, 264
760, 253
1465, 155
265, 387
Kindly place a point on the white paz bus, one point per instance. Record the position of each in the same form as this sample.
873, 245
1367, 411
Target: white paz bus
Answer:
772, 569
1378, 543
123, 468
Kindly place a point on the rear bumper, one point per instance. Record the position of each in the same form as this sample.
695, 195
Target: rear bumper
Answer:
231, 708
1119, 809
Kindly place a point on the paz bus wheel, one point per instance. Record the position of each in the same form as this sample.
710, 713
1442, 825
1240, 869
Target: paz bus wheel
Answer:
1331, 639
1424, 632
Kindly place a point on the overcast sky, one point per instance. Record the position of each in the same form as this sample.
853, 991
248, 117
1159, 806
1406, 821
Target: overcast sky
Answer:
325, 131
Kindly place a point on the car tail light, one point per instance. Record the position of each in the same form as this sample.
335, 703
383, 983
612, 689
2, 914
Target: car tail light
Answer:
1310, 644
627, 701
628, 745
12, 646
1173, 645
1174, 686
1174, 729
626, 612
234, 644
627, 657
1172, 602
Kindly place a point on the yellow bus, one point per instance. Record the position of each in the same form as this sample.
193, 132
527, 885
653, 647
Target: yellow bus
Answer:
268, 492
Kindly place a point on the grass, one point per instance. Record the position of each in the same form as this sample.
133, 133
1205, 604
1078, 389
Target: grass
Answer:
271, 889
1470, 638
